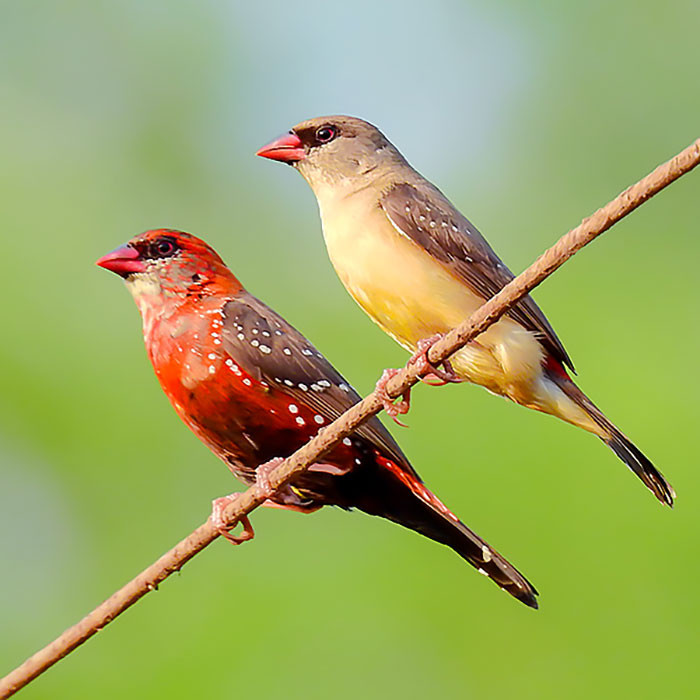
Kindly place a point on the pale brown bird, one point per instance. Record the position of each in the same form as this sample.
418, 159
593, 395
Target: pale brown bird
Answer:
419, 268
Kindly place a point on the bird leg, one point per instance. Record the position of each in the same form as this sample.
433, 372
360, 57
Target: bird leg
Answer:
392, 406
218, 506
262, 477
429, 372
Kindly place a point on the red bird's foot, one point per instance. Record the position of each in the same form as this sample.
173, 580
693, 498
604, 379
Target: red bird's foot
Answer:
393, 407
217, 508
262, 477
430, 374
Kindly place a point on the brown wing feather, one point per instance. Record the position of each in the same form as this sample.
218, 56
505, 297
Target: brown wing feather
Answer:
268, 348
435, 225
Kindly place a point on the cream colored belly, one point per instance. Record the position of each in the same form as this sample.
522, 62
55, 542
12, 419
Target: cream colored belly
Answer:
411, 296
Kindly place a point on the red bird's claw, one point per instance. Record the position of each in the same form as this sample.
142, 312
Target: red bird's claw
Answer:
393, 407
218, 506
429, 372
262, 477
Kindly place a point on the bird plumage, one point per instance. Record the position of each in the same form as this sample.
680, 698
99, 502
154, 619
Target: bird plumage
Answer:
252, 388
419, 268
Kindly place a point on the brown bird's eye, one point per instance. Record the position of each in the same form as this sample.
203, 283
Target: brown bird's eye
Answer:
324, 134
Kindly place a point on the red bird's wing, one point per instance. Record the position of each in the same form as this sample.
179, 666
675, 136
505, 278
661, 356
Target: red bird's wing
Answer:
270, 349
454, 241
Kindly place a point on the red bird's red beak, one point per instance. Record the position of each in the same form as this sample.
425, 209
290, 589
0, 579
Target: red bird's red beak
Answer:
287, 148
124, 261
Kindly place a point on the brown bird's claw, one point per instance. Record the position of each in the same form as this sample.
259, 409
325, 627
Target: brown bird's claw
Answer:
430, 374
262, 477
394, 407
217, 520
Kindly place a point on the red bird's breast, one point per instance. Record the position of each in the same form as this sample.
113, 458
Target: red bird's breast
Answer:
243, 418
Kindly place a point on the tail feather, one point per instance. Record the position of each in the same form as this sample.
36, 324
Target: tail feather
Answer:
640, 464
399, 497
617, 441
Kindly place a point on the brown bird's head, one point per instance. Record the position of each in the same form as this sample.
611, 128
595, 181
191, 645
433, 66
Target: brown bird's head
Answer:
164, 263
335, 151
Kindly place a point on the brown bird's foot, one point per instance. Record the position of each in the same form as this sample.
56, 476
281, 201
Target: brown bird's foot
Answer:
218, 506
262, 477
430, 374
394, 407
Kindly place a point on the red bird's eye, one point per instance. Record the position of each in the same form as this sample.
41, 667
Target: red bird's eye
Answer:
163, 248
324, 134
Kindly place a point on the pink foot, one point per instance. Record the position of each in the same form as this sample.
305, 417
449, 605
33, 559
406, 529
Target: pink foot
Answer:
262, 477
393, 407
217, 520
430, 373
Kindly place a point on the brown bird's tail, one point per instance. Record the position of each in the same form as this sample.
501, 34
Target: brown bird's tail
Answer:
617, 441
391, 493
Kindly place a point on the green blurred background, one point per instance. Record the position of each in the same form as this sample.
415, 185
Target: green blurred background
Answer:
118, 117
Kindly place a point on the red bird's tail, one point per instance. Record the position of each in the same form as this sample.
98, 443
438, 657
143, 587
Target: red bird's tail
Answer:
397, 496
615, 439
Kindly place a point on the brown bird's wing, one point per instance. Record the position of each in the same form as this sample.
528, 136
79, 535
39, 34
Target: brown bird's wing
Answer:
270, 349
454, 241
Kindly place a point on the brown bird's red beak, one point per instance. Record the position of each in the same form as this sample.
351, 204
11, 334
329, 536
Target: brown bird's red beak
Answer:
287, 148
123, 260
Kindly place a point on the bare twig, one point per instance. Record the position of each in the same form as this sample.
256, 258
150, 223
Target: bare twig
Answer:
488, 314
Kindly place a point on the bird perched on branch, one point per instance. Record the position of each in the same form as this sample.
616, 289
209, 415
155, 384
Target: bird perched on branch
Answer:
254, 390
419, 268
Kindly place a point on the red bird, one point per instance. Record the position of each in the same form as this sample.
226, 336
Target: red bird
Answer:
254, 390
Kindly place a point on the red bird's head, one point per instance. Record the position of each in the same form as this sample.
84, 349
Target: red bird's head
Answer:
168, 264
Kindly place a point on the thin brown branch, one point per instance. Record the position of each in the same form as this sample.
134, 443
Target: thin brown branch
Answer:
488, 314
